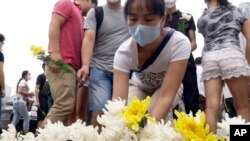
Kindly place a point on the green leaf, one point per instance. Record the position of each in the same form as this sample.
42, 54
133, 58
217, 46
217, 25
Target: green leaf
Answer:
182, 26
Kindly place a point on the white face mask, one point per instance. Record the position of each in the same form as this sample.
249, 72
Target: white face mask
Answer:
143, 34
169, 3
113, 1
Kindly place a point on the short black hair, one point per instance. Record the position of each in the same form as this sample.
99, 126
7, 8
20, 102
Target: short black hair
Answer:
2, 38
156, 6
95, 2
198, 60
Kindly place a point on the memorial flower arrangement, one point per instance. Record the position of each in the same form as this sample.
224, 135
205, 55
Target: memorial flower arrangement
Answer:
56, 66
132, 122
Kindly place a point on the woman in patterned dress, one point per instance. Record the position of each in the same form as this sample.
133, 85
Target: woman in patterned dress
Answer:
223, 60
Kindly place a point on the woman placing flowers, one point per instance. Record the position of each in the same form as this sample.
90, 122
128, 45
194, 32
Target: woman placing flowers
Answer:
158, 57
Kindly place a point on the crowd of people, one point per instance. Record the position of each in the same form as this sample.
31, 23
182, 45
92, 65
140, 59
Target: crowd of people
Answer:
139, 50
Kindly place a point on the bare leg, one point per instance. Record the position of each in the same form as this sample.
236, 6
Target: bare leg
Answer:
94, 118
213, 88
82, 103
239, 90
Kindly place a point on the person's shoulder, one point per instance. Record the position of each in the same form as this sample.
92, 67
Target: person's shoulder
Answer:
22, 82
179, 36
41, 75
61, 5
126, 45
179, 39
64, 2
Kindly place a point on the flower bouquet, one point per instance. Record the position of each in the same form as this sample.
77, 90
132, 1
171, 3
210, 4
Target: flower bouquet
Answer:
57, 66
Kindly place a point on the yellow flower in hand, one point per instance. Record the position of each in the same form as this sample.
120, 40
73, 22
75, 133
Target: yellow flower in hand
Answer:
135, 112
193, 128
37, 50
55, 66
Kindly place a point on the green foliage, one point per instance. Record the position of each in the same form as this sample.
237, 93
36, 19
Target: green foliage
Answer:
182, 26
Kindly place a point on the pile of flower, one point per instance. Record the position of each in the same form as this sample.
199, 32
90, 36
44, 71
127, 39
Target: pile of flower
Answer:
128, 123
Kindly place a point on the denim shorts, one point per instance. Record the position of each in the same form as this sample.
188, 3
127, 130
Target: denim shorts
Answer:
225, 63
100, 89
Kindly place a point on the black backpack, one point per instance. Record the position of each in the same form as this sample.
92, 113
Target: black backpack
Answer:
98, 17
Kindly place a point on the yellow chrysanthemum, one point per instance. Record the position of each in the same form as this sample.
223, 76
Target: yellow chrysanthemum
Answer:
135, 112
151, 119
193, 128
37, 50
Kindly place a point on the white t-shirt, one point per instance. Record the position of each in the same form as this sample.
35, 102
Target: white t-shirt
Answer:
24, 85
126, 59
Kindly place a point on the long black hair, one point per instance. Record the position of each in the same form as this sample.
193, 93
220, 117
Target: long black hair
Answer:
24, 74
156, 6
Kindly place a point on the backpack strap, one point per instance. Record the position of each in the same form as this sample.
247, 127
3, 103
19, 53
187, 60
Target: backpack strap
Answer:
157, 51
98, 17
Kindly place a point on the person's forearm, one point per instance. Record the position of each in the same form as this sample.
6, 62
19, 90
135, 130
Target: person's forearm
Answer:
121, 85
162, 107
87, 51
37, 94
248, 52
118, 94
192, 39
193, 45
54, 37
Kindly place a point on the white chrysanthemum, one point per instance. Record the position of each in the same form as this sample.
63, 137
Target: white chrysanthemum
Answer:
113, 126
78, 131
159, 132
186, 16
10, 134
128, 135
118, 132
56, 131
28, 137
115, 107
227, 121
